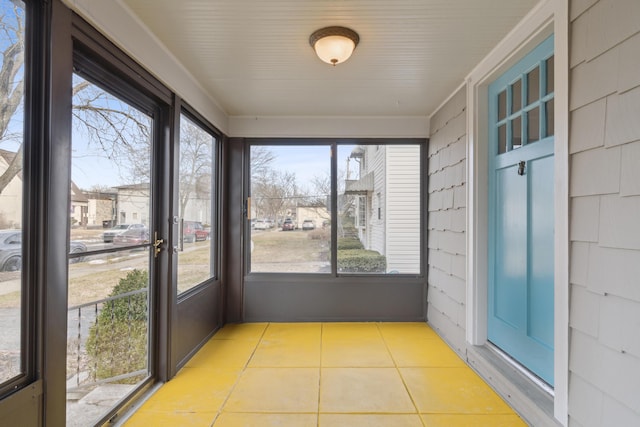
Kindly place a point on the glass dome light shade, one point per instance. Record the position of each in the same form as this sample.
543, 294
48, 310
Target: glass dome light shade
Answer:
334, 45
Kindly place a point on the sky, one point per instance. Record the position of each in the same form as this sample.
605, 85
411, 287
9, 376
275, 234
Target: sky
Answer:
90, 167
308, 161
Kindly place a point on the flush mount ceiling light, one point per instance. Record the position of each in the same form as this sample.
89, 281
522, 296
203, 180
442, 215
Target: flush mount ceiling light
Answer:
334, 45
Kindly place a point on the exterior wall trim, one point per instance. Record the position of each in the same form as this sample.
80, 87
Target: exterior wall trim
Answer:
549, 16
447, 99
329, 127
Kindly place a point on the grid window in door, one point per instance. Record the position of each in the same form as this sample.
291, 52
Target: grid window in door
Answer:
525, 107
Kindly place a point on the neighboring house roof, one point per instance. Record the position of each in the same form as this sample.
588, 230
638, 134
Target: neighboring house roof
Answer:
359, 186
357, 152
77, 195
101, 195
142, 186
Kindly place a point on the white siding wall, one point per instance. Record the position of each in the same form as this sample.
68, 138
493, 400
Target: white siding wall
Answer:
604, 144
446, 221
135, 205
11, 205
376, 228
10, 201
402, 207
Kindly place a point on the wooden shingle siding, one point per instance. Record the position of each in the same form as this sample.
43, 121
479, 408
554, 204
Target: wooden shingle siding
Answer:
604, 146
447, 221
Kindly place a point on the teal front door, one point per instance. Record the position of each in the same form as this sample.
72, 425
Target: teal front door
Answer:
521, 211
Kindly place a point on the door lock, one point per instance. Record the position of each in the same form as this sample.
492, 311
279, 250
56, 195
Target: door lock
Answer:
521, 167
157, 243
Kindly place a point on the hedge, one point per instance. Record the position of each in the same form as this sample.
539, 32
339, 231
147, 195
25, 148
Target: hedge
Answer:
361, 261
349, 243
117, 342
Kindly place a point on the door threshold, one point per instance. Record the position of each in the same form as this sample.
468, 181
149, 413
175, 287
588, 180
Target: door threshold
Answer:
531, 397
539, 382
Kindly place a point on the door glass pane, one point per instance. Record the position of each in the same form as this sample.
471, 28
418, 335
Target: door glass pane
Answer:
378, 209
502, 139
533, 85
502, 105
516, 133
533, 125
12, 20
550, 78
516, 96
108, 289
290, 208
549, 110
195, 208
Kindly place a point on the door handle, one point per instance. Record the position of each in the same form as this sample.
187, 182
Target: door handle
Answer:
521, 167
181, 234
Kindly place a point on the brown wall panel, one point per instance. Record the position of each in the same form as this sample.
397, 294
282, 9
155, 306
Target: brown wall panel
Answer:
198, 318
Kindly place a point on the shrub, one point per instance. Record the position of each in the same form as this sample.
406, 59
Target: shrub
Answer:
319, 234
117, 342
349, 243
361, 261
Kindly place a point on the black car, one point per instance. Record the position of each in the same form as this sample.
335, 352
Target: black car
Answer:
108, 235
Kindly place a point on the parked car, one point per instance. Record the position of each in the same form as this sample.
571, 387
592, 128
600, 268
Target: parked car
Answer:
193, 231
132, 236
308, 224
11, 250
261, 224
75, 248
288, 225
108, 235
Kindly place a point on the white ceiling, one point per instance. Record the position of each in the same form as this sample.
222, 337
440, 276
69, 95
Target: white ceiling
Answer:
254, 58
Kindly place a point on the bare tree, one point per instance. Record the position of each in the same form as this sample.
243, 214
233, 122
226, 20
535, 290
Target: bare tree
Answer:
196, 147
321, 184
261, 159
117, 131
275, 193
99, 188
11, 84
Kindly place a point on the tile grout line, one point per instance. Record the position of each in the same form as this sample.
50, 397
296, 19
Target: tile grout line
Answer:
395, 364
219, 411
320, 374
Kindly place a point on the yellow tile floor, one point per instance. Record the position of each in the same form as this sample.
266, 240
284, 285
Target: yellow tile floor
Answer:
325, 374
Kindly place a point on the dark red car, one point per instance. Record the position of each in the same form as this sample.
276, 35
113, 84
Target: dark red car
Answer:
134, 236
193, 231
288, 225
